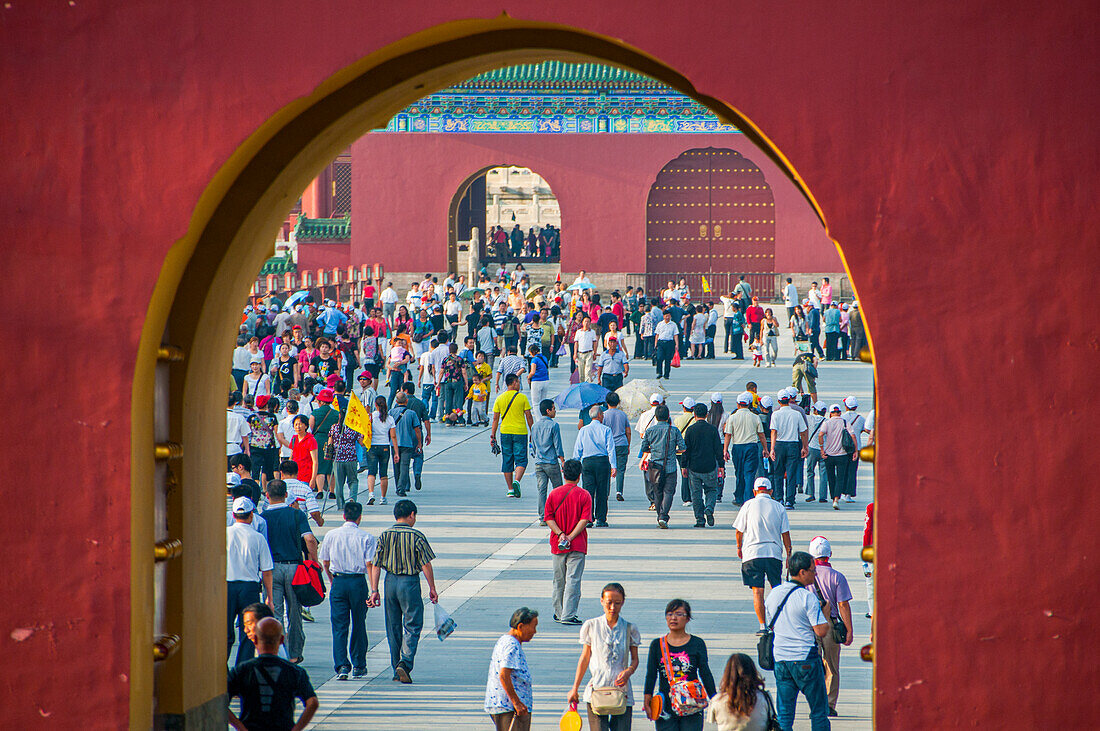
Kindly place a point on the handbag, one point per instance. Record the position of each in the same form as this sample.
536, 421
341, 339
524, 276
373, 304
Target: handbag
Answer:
610, 701
765, 646
308, 583
772, 723
686, 697
837, 628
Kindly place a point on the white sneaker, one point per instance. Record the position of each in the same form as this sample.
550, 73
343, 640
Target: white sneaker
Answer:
849, 499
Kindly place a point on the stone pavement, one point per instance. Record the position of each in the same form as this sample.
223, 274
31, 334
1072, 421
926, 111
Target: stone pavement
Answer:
492, 557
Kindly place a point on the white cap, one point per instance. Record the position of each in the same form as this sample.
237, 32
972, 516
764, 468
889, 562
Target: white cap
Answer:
232, 479
820, 406
783, 395
762, 483
855, 303
766, 402
835, 407
243, 506
656, 398
820, 548
688, 403
716, 398
745, 397
792, 391
851, 402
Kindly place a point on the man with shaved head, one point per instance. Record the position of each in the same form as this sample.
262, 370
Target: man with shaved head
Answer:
267, 685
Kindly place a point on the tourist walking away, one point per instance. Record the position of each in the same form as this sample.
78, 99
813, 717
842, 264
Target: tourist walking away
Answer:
839, 452
568, 512
794, 614
287, 529
383, 449
347, 554
610, 654
247, 569
404, 553
512, 415
538, 377
703, 465
508, 690
661, 445
407, 430
595, 448
617, 421
744, 444
815, 462
268, 686
763, 534
742, 704
678, 661
644, 421
789, 448
856, 425
547, 452
421, 410
835, 596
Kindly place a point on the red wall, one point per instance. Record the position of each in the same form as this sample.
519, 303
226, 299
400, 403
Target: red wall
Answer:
952, 146
601, 182
314, 256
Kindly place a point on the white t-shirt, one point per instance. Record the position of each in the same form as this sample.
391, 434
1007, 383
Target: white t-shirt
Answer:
815, 298
763, 522
585, 340
286, 429
388, 296
236, 429
452, 308
666, 330
790, 295
869, 423
857, 424
257, 385
436, 356
425, 361
380, 430
794, 628
610, 653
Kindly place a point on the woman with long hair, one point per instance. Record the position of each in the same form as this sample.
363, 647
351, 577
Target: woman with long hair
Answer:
742, 703
770, 328
378, 456
403, 318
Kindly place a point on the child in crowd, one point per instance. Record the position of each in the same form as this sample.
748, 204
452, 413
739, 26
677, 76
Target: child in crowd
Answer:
479, 398
757, 353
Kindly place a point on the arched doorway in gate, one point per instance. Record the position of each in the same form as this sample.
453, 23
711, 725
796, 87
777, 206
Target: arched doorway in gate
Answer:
710, 213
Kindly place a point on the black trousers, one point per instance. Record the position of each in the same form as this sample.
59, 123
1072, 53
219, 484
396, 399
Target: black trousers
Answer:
239, 594
663, 358
596, 475
788, 464
836, 472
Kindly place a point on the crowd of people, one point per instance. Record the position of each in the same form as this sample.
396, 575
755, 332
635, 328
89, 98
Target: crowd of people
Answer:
297, 368
539, 243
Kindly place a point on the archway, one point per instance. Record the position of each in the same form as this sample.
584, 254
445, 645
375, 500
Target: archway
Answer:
191, 318
710, 213
505, 196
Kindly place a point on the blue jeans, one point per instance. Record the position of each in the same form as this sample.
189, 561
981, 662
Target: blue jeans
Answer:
807, 676
405, 619
348, 608
814, 461
431, 401
746, 460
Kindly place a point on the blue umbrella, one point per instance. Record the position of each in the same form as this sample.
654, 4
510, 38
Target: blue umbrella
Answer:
581, 285
581, 396
295, 298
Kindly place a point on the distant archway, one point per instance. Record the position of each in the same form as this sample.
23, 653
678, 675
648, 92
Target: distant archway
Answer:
505, 196
710, 213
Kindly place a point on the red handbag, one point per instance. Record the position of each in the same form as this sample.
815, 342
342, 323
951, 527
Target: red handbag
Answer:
308, 583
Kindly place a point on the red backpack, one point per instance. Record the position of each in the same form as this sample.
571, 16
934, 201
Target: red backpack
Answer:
308, 583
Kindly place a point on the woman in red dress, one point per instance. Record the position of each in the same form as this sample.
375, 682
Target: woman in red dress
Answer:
303, 449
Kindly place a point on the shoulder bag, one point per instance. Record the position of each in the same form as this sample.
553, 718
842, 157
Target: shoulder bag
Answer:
847, 441
494, 447
609, 701
772, 723
686, 697
765, 646
837, 628
329, 450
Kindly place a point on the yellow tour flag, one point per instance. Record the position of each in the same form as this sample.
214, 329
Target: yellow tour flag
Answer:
706, 285
358, 418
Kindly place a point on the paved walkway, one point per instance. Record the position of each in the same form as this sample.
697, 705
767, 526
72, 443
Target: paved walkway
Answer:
492, 557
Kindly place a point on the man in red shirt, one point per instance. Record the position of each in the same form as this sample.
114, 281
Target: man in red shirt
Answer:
568, 513
754, 315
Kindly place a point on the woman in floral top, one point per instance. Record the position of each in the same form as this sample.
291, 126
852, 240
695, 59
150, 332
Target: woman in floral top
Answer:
345, 465
508, 697
452, 383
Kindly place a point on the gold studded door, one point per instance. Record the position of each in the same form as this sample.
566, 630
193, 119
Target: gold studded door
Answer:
711, 212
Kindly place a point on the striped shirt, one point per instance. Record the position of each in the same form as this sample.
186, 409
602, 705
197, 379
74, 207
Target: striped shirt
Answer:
295, 490
402, 550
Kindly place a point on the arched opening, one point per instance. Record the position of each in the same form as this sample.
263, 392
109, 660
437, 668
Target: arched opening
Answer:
192, 317
505, 197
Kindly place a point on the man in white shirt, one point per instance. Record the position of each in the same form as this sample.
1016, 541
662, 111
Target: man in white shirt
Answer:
857, 425
815, 296
388, 298
347, 554
790, 297
667, 341
248, 562
744, 443
789, 448
795, 616
581, 278
763, 533
236, 429
585, 346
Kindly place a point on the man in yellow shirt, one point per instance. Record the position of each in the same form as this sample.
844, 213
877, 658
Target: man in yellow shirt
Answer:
512, 412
